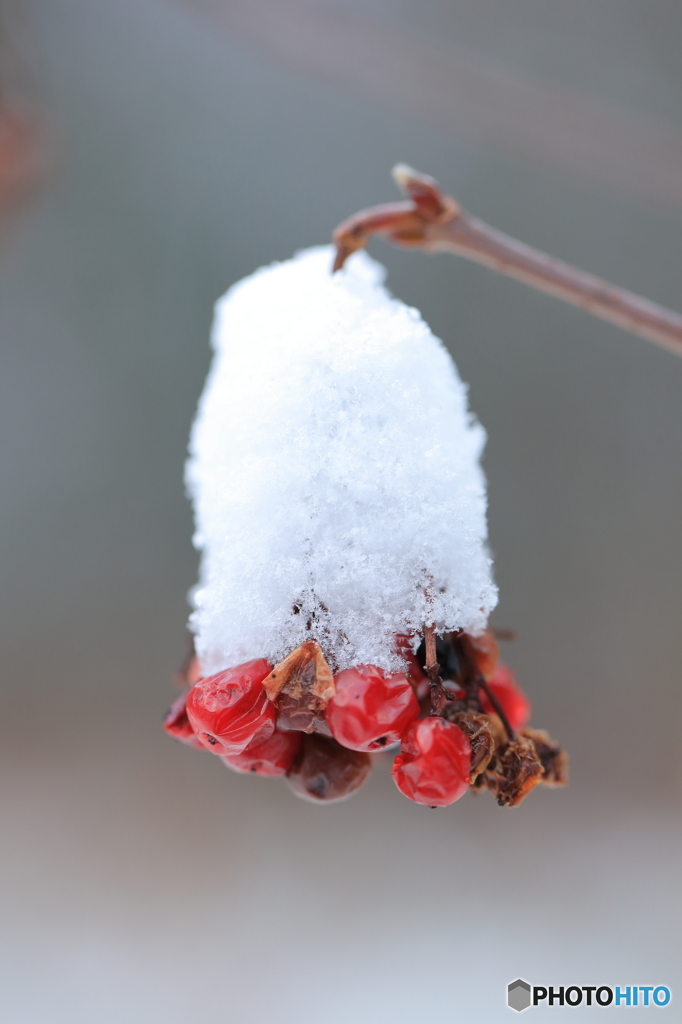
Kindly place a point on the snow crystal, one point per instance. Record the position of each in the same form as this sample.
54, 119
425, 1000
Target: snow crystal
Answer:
334, 469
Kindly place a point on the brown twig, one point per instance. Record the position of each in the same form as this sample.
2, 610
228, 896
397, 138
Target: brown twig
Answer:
432, 669
435, 222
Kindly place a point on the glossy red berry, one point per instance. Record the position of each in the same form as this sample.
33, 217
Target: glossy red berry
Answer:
273, 756
370, 709
178, 725
511, 697
230, 710
434, 763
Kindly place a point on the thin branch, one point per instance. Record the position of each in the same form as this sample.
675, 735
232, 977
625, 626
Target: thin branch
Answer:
434, 222
432, 669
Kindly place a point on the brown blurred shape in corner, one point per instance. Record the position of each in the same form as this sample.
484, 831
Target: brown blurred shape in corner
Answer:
20, 136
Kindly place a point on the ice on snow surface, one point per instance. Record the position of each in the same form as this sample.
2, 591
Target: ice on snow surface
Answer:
334, 469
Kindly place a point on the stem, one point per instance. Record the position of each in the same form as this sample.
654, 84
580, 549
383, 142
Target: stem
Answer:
433, 672
435, 222
430, 644
467, 236
497, 707
474, 681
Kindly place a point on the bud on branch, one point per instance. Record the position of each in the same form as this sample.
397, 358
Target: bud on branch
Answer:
435, 222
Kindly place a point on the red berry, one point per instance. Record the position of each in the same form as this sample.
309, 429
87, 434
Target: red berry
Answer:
273, 756
177, 723
370, 710
434, 763
230, 710
511, 697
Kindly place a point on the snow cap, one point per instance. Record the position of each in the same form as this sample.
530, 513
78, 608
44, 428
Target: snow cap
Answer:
334, 470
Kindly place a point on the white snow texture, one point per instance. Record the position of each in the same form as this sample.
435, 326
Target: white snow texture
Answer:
334, 469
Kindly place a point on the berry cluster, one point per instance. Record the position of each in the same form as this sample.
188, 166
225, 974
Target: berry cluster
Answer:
460, 723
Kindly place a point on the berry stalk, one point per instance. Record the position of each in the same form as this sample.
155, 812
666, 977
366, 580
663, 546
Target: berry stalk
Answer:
438, 695
474, 681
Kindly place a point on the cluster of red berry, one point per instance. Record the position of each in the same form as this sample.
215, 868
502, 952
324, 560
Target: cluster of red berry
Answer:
460, 727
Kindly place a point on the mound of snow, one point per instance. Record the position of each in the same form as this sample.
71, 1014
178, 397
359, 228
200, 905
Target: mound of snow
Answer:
334, 470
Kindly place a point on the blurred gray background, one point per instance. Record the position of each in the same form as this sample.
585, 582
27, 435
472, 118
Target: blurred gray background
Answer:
186, 144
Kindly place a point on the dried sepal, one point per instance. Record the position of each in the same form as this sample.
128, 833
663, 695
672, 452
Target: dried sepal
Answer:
479, 731
304, 670
515, 771
517, 766
553, 758
499, 732
300, 687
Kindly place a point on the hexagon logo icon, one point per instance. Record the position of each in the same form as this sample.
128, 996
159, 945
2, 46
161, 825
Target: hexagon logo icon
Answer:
518, 995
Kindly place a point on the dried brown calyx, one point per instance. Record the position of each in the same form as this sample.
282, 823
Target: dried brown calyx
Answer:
517, 766
553, 759
515, 771
300, 687
479, 731
507, 762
